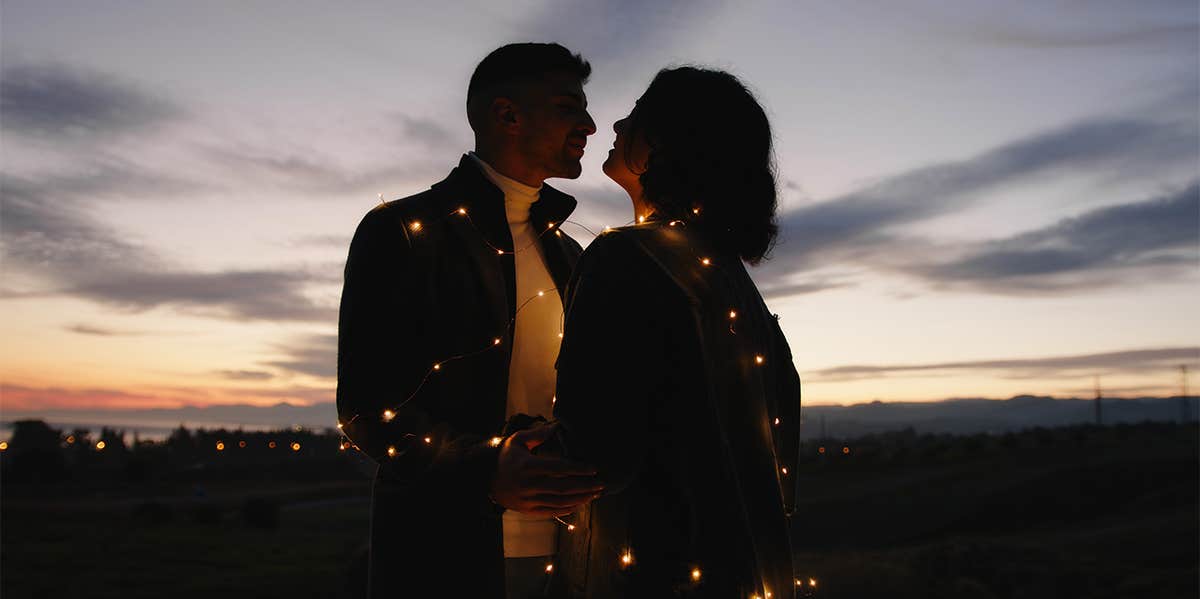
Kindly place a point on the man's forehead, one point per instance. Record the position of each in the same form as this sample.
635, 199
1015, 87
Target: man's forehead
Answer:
563, 84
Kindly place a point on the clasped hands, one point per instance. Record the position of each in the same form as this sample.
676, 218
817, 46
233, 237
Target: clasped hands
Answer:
541, 485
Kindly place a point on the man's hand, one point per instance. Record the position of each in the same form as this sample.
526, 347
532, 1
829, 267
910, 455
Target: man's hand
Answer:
541, 485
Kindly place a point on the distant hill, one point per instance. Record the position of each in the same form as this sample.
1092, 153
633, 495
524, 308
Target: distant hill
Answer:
954, 416
969, 416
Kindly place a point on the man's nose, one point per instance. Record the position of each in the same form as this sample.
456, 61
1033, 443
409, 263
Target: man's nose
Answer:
589, 125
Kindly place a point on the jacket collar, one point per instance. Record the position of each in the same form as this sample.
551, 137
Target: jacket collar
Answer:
485, 201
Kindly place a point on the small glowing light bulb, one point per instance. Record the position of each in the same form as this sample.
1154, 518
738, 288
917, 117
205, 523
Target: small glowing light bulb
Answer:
342, 446
553, 400
560, 335
846, 450
339, 425
705, 261
559, 233
388, 415
641, 219
428, 440
437, 366
495, 442
812, 582
696, 574
799, 583
783, 470
220, 446
550, 225
3, 445
100, 445
295, 447
271, 445
241, 443
570, 527
549, 568
776, 422
768, 594
391, 451
541, 293
607, 228
759, 359
415, 226
626, 558
732, 314
462, 211
695, 211
496, 341
500, 252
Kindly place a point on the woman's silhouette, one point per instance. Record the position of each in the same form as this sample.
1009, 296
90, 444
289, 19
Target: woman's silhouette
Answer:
674, 379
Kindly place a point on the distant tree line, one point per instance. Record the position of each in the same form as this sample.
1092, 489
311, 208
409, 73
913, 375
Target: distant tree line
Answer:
39, 453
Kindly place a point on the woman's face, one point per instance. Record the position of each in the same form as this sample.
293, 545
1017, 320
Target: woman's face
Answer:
624, 169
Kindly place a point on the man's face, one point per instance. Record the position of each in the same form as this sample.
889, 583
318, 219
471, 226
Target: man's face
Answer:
555, 125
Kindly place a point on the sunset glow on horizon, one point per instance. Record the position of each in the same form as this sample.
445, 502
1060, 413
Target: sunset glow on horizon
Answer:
984, 202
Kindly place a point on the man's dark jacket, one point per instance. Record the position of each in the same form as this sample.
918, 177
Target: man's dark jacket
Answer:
676, 382
425, 285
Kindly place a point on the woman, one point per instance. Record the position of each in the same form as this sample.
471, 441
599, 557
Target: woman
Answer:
674, 379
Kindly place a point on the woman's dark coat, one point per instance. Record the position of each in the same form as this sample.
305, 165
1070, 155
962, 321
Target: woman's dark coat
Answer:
676, 382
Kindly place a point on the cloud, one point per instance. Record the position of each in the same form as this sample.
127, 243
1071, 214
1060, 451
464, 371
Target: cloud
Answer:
51, 100
1131, 361
85, 329
1168, 34
1161, 232
860, 228
81, 257
609, 29
313, 355
245, 375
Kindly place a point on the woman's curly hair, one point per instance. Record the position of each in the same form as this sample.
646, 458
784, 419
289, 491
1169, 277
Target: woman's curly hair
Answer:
710, 162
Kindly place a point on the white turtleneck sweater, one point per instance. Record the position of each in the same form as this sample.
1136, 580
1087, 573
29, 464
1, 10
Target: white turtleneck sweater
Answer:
531, 374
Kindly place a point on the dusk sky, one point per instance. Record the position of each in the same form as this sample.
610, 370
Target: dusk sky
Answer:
978, 198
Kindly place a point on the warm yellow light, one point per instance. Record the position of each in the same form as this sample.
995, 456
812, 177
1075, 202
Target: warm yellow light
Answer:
388, 415
846, 450
696, 574
500, 252
295, 446
428, 440
437, 366
391, 450
541, 293
560, 335
71, 439
462, 211
559, 233
242, 444
821, 449
759, 359
342, 446
570, 527
607, 229
220, 446
783, 470
641, 219
553, 399
339, 425
626, 558
799, 583
733, 314
705, 261
695, 211
550, 225
271, 445
3, 445
768, 594
496, 341
549, 568
496, 441
776, 422
415, 226
812, 582
755, 596
100, 445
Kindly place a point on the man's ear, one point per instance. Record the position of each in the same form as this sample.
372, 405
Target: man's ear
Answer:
504, 113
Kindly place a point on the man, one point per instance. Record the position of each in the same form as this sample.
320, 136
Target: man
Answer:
449, 328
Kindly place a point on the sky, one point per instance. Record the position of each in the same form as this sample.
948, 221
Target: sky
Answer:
977, 199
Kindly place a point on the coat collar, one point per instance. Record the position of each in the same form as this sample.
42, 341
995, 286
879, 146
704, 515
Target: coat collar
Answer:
485, 201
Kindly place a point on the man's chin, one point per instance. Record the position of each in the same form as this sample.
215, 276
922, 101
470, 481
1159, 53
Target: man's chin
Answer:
569, 169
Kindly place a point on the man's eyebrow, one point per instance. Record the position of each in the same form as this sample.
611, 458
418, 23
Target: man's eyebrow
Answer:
572, 95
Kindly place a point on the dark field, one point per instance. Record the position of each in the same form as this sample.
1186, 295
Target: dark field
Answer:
1071, 512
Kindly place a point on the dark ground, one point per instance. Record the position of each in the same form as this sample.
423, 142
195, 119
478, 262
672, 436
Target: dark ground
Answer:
1072, 512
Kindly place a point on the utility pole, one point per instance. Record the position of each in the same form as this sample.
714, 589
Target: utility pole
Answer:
1185, 402
1099, 415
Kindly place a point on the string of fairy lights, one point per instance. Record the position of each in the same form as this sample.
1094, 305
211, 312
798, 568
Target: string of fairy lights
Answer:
625, 553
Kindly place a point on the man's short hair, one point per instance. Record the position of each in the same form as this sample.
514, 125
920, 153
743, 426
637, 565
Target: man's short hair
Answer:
507, 67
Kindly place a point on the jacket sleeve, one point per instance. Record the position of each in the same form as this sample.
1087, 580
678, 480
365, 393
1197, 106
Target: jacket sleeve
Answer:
382, 359
606, 362
787, 435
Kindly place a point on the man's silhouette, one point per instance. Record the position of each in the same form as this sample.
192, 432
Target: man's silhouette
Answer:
449, 328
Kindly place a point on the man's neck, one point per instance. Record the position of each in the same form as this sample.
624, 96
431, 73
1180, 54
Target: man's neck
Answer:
504, 163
